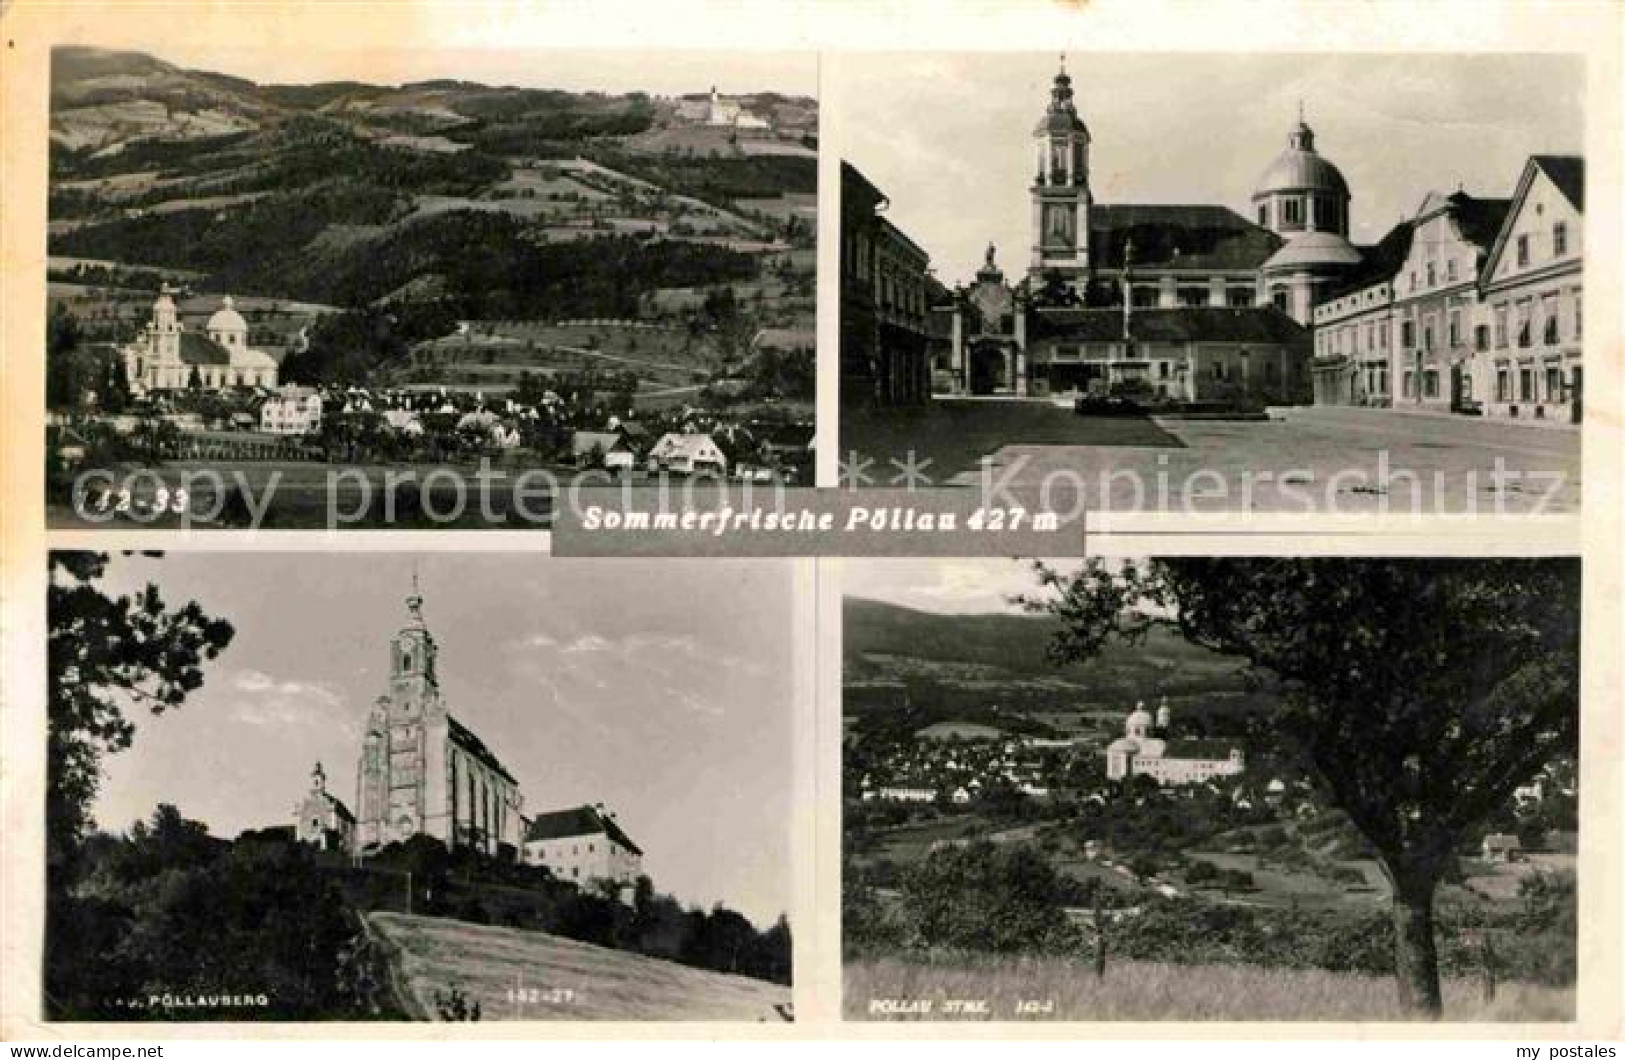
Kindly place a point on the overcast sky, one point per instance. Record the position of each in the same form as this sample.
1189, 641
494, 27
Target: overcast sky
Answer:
662, 689
663, 72
948, 137
945, 586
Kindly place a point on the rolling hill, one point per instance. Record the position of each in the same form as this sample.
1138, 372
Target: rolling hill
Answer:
529, 975
994, 669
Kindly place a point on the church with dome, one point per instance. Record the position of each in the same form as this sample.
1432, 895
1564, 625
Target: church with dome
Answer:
1149, 747
169, 355
1186, 302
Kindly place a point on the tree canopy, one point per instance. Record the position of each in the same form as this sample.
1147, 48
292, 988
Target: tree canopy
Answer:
1421, 692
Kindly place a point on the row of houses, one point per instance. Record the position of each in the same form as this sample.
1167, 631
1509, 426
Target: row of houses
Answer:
1473, 305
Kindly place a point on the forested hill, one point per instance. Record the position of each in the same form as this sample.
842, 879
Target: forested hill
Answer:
884, 643
485, 199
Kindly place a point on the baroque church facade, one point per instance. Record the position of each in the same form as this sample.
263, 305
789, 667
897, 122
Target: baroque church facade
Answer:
1184, 302
1149, 747
168, 355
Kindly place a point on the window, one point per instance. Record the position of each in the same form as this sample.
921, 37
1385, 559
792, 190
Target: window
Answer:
1450, 269
1526, 384
1407, 334
1292, 213
1427, 334
1525, 331
1410, 384
1238, 298
1560, 239
1413, 279
1554, 383
1501, 326
1455, 327
1481, 337
1263, 215
1523, 251
1503, 384
1432, 275
1430, 383
1578, 303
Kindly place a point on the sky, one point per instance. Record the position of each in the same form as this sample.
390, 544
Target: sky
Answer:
662, 689
948, 136
945, 586
667, 72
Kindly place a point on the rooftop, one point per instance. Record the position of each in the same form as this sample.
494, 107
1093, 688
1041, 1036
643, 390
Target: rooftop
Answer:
579, 821
1192, 237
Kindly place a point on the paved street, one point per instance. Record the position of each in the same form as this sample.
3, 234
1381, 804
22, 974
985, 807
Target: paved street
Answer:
1318, 459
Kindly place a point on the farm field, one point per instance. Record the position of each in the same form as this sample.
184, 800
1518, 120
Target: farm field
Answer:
559, 979
1137, 990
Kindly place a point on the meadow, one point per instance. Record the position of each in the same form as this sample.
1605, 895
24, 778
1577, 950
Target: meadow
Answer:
530, 975
1146, 991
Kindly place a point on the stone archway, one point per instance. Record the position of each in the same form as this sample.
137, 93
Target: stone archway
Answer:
989, 368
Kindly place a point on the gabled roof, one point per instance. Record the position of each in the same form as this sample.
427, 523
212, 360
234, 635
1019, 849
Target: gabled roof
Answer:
1568, 172
339, 808
1378, 262
1179, 237
580, 821
1565, 171
1200, 748
464, 737
1479, 219
199, 349
1260, 324
584, 442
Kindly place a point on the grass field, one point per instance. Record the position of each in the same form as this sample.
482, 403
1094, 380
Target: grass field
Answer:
1134, 990
529, 975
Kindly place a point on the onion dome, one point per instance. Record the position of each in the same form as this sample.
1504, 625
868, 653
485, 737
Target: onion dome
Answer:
1061, 116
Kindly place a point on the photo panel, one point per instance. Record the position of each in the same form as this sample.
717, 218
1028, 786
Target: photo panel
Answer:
1211, 789
378, 786
422, 289
1318, 283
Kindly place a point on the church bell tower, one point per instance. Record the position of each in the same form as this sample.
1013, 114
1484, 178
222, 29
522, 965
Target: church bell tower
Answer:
1060, 190
412, 681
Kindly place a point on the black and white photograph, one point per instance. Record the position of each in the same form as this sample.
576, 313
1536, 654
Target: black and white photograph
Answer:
377, 786
1231, 282
422, 290
1211, 789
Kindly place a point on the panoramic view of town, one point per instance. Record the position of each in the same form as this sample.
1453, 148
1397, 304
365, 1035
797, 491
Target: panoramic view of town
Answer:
388, 812
1365, 295
338, 304
1159, 792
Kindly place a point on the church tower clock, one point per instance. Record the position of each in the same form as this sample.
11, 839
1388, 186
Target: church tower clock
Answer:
1060, 190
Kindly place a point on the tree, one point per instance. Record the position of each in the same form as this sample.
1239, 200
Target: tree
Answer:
1420, 692
64, 382
104, 655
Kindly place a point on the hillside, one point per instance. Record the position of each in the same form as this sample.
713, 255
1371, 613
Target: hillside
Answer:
884, 642
413, 207
346, 193
558, 979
